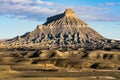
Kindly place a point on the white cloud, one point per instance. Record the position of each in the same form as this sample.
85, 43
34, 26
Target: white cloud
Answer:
28, 2
110, 4
98, 13
40, 10
49, 3
99, 17
45, 3
39, 2
25, 10
19, 1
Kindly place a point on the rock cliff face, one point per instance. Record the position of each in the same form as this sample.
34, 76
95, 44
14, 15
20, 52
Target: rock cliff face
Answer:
61, 30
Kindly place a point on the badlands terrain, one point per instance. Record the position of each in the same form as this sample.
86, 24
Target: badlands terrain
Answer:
59, 65
63, 48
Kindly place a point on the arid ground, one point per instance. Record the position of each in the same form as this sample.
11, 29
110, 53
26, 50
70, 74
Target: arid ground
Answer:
59, 65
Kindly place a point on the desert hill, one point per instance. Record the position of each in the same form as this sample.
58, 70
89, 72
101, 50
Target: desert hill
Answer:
64, 29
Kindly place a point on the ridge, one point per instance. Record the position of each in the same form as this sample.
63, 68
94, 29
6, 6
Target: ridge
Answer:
67, 18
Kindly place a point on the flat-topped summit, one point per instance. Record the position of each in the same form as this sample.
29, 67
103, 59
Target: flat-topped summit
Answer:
69, 13
64, 19
64, 29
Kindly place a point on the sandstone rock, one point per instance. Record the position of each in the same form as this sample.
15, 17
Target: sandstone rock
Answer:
64, 29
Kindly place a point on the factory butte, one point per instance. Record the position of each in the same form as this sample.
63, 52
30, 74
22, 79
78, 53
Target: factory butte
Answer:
60, 31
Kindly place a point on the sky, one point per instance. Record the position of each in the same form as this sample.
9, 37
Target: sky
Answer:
20, 16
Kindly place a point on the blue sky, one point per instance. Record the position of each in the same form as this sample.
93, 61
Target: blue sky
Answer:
20, 16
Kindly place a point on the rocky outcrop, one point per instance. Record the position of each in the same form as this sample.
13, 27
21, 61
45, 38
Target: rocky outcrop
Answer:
64, 29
